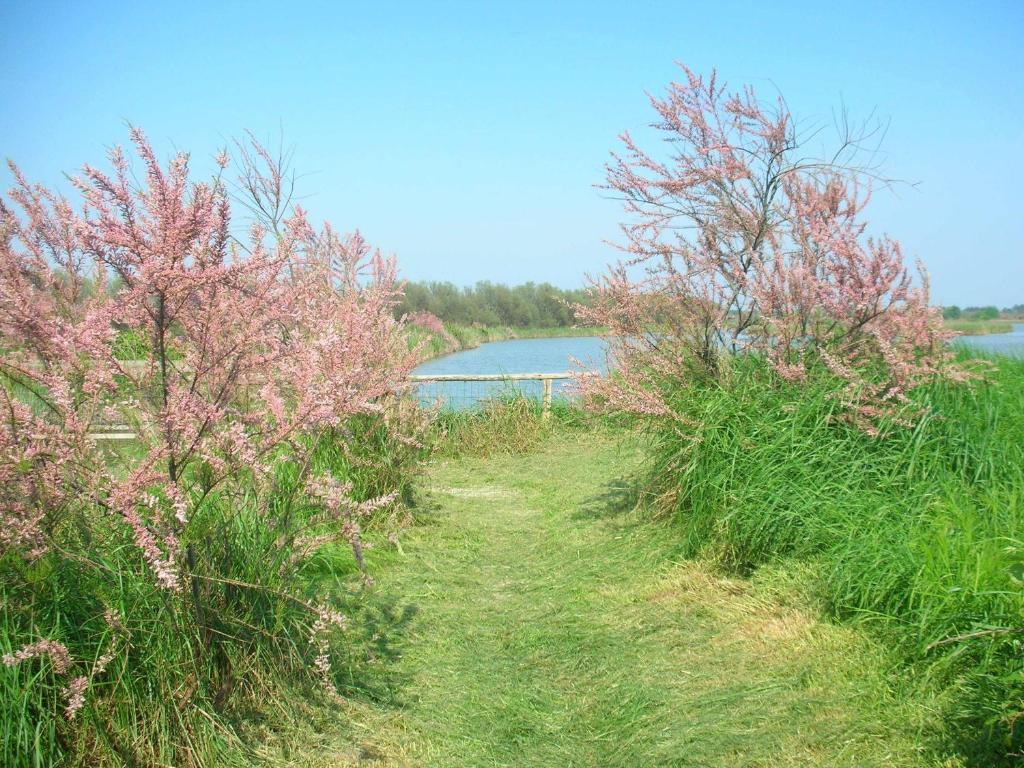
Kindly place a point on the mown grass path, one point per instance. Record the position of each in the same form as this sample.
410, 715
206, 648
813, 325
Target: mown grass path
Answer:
553, 628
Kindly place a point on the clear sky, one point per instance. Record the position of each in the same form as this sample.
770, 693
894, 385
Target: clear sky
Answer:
467, 137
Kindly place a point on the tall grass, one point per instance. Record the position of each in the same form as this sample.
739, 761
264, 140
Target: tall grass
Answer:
918, 534
502, 425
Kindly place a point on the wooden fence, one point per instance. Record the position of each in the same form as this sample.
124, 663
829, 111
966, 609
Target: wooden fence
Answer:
547, 382
115, 432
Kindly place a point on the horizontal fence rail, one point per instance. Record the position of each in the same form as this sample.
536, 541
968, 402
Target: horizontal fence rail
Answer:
546, 379
115, 432
491, 377
112, 432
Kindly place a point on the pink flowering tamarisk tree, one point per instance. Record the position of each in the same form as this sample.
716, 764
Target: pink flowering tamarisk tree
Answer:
249, 354
739, 241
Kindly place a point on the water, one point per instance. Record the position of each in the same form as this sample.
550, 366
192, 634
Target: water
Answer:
515, 356
555, 356
1011, 343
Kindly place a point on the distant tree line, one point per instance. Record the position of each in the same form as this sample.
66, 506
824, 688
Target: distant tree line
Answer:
530, 305
953, 312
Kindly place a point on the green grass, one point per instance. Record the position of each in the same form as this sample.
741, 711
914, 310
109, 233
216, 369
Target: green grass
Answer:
979, 327
555, 627
809, 596
917, 536
557, 333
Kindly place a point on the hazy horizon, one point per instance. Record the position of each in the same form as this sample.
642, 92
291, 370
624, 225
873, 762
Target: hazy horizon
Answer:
468, 140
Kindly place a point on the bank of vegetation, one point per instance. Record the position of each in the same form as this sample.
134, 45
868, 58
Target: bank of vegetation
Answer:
433, 338
443, 318
980, 327
977, 321
805, 409
529, 305
156, 593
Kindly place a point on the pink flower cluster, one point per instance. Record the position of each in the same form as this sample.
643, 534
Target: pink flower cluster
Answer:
55, 651
249, 345
62, 663
60, 660
736, 242
428, 321
327, 619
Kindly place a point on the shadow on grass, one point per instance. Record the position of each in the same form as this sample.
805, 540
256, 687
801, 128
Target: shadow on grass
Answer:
378, 634
617, 499
379, 620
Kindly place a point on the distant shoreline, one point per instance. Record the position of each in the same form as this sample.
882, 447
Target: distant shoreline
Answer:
979, 327
458, 338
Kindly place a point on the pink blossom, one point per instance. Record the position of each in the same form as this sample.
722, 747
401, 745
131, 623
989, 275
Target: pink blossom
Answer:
54, 650
749, 247
428, 322
74, 694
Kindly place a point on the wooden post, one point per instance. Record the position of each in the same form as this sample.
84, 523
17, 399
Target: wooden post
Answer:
546, 411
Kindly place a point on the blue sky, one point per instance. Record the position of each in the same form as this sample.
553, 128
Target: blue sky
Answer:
467, 137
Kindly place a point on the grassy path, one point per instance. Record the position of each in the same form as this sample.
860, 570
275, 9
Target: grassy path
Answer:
554, 629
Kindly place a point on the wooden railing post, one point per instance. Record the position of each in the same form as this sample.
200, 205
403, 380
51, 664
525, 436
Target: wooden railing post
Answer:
546, 408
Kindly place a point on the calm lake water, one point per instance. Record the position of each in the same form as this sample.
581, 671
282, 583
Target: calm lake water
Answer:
514, 356
1011, 343
555, 356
